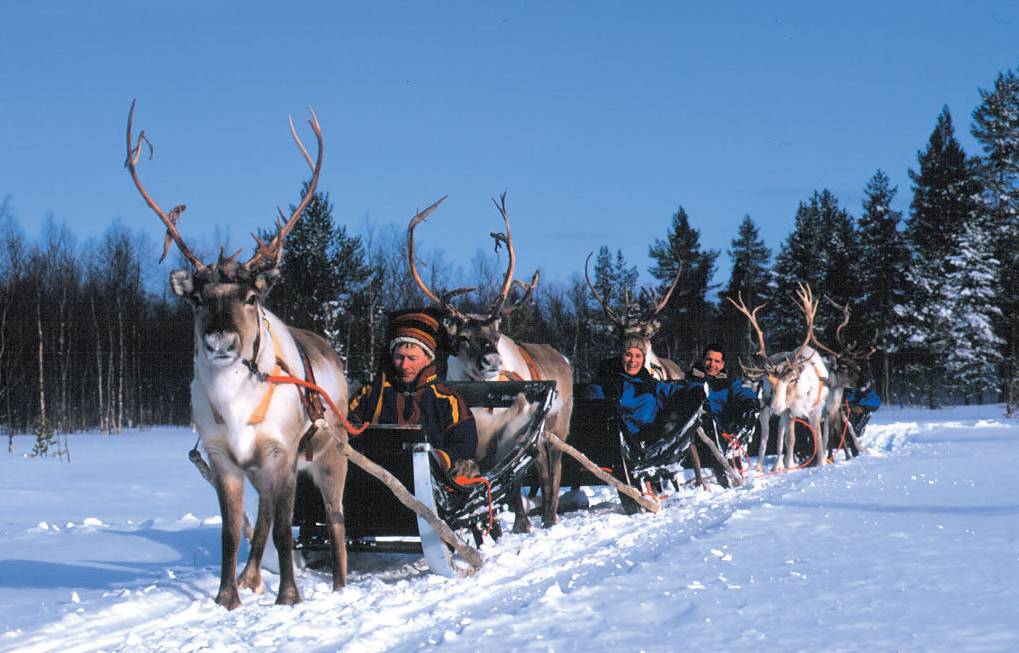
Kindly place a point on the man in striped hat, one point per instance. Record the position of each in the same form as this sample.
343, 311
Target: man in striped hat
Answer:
408, 391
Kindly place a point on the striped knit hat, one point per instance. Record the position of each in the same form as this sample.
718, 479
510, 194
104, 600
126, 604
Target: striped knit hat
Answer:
416, 326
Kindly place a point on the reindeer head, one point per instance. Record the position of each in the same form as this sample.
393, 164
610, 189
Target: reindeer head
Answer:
225, 296
847, 364
635, 323
782, 371
471, 337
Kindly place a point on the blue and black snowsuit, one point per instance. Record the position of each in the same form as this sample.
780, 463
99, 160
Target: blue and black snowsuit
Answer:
866, 400
729, 400
639, 399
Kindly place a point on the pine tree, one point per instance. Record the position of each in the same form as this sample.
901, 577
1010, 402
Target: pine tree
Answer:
884, 260
974, 352
943, 203
322, 271
822, 251
686, 321
996, 128
749, 279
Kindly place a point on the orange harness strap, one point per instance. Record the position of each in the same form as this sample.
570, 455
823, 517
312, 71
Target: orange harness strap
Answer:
258, 415
532, 367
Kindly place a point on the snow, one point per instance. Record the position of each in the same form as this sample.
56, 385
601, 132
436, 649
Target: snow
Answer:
913, 546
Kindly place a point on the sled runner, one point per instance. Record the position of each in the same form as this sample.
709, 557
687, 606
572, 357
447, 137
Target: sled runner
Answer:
377, 521
643, 465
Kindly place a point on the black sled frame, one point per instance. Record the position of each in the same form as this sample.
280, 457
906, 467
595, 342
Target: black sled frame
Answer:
375, 519
644, 466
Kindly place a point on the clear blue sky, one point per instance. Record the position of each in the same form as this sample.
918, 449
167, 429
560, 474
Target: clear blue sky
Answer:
598, 118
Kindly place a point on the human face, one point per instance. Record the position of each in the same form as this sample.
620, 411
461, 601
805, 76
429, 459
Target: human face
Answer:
408, 361
713, 363
633, 360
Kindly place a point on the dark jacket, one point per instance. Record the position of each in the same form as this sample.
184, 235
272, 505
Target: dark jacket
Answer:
441, 412
728, 398
639, 399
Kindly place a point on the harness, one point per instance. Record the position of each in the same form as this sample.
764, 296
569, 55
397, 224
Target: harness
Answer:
310, 400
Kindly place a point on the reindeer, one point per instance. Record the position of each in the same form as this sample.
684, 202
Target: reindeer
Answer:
798, 385
249, 427
643, 326
481, 352
847, 372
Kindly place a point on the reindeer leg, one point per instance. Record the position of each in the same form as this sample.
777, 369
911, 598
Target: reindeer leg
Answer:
554, 459
820, 445
230, 491
331, 481
695, 458
251, 575
521, 522
762, 447
282, 534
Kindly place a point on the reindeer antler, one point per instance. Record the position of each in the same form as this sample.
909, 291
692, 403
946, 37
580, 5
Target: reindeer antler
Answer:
134, 151
272, 252
752, 317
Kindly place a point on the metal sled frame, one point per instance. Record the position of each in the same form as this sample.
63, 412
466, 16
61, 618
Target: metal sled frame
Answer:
375, 521
596, 433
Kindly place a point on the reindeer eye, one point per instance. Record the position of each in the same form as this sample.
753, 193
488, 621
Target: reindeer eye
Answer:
251, 299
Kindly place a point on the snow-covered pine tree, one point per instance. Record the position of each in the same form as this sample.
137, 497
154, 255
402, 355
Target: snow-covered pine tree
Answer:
996, 128
822, 250
686, 321
750, 277
944, 192
884, 259
975, 349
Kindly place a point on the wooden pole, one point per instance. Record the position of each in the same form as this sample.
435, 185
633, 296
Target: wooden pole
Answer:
719, 457
471, 555
649, 504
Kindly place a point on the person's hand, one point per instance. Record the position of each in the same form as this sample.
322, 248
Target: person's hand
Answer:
465, 467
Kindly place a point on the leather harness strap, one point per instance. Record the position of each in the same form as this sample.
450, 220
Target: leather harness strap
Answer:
311, 401
532, 367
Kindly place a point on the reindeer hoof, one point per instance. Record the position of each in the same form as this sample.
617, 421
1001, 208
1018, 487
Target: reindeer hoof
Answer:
288, 596
252, 580
228, 598
549, 520
521, 525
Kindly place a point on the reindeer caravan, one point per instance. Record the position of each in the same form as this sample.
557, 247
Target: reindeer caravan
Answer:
458, 417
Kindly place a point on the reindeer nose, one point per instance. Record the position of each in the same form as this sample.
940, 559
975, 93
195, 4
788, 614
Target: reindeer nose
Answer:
492, 361
220, 343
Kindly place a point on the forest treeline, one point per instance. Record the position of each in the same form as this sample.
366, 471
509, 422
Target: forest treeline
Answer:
90, 337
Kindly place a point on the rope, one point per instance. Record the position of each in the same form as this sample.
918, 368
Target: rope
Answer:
350, 428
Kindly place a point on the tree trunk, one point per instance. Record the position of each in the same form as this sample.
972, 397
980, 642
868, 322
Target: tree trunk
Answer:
42, 373
99, 365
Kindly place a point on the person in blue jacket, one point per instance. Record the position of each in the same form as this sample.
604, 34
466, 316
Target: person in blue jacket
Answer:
729, 399
862, 402
639, 397
731, 404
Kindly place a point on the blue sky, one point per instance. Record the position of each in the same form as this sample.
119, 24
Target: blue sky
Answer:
598, 118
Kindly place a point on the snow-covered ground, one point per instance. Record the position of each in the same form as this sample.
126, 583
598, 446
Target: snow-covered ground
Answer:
913, 547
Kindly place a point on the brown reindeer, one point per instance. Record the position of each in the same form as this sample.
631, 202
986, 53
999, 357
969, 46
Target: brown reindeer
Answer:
634, 324
798, 385
249, 427
481, 352
847, 372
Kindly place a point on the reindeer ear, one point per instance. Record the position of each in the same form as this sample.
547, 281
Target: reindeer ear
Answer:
449, 325
182, 283
265, 280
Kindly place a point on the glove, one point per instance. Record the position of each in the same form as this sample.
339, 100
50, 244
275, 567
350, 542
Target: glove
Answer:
465, 467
